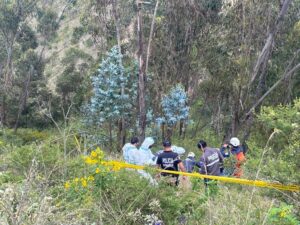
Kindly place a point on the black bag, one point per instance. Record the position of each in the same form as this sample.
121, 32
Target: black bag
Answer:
245, 148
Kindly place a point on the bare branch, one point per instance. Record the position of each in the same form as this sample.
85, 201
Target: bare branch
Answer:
285, 76
265, 53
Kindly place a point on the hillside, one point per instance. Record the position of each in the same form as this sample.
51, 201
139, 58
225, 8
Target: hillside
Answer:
87, 86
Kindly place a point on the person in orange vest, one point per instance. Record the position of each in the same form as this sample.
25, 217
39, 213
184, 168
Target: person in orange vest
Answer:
234, 148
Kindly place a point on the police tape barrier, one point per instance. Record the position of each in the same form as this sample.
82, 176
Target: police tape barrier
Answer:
257, 183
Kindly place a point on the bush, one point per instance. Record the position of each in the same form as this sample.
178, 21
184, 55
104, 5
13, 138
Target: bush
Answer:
283, 215
281, 159
23, 136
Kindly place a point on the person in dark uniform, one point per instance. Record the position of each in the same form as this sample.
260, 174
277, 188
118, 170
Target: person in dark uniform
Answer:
169, 160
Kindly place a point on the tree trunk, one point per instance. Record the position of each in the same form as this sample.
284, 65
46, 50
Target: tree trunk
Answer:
110, 137
23, 98
180, 127
163, 131
169, 132
150, 36
121, 138
8, 68
3, 110
120, 135
141, 84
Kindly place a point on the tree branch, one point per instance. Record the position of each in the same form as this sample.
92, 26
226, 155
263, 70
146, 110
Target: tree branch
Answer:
285, 76
265, 52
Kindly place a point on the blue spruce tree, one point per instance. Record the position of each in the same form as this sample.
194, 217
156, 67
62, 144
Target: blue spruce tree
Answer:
114, 92
175, 109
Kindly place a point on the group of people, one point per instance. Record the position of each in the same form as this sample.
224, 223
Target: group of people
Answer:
227, 160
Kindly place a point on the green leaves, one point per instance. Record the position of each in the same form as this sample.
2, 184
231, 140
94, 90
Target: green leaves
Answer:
48, 24
282, 215
284, 118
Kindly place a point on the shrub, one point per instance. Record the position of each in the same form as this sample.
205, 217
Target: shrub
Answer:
282, 215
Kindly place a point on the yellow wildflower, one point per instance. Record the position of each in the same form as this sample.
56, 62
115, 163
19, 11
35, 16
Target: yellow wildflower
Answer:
76, 180
97, 170
83, 182
282, 214
67, 185
94, 154
90, 161
90, 178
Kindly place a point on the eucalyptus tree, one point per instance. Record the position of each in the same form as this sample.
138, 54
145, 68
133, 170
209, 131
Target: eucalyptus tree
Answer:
21, 60
175, 109
108, 104
249, 51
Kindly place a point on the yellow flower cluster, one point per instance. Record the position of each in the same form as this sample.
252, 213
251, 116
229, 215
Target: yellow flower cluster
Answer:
283, 213
95, 157
88, 160
83, 181
67, 185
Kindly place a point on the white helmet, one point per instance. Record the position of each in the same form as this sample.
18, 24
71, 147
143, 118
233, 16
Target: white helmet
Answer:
178, 150
191, 154
234, 142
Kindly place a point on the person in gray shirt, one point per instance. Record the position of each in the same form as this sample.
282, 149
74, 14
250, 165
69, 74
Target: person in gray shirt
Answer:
210, 161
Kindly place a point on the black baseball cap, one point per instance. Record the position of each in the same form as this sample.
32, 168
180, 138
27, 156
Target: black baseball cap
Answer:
134, 140
167, 143
201, 144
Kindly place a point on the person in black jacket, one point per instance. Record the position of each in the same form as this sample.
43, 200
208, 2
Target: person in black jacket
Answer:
169, 160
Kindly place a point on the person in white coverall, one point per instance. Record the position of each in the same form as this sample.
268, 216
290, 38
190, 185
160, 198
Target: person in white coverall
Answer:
130, 151
145, 150
140, 157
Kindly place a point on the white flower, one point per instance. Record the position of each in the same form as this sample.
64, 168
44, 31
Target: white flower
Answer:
154, 205
152, 219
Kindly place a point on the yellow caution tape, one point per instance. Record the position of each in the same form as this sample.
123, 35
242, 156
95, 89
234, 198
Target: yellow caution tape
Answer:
257, 183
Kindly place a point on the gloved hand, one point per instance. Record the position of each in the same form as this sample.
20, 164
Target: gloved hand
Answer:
225, 145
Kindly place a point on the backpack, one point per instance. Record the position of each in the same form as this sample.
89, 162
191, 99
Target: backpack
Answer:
245, 148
